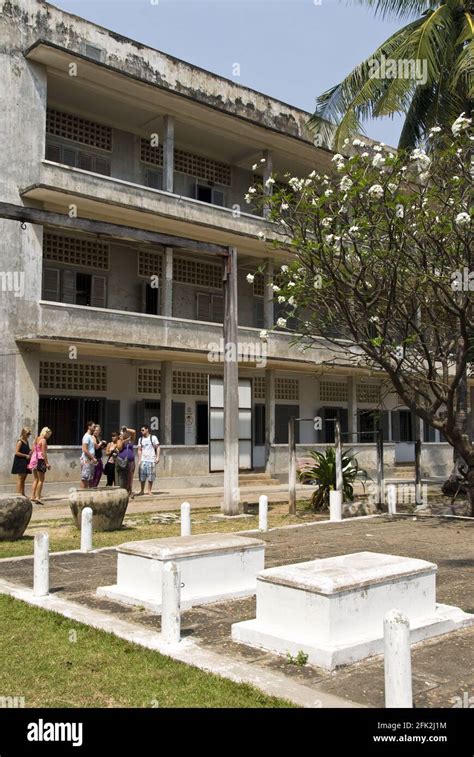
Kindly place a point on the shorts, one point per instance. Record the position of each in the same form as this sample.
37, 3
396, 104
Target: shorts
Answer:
87, 469
146, 471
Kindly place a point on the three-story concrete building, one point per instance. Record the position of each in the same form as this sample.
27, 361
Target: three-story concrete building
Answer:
133, 166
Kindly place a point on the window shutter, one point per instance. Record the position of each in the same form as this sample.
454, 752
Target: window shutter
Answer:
384, 424
217, 314
395, 426
69, 156
53, 152
203, 307
177, 422
258, 315
321, 435
99, 292
218, 197
102, 165
51, 281
344, 419
85, 161
153, 179
143, 287
69, 287
112, 418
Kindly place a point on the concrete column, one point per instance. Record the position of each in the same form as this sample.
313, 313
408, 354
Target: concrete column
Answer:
41, 565
267, 172
231, 388
269, 415
86, 529
397, 660
166, 396
352, 408
167, 283
168, 154
268, 316
171, 604
185, 519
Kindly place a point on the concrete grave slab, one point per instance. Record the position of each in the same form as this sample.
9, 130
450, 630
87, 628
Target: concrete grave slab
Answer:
213, 567
333, 609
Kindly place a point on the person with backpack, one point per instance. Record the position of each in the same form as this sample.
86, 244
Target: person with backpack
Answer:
148, 457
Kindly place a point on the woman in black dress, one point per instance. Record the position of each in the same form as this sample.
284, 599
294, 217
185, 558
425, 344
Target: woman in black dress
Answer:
20, 461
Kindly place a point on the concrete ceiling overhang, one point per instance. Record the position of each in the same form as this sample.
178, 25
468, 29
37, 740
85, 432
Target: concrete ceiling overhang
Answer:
135, 353
102, 209
125, 101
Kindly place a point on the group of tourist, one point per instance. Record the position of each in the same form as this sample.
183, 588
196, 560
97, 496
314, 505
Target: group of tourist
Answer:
115, 459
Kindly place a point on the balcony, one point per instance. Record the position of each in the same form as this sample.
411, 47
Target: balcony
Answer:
137, 335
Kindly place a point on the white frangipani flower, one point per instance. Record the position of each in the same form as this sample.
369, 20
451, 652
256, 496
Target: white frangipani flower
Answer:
326, 222
281, 323
276, 288
269, 182
264, 335
255, 166
250, 278
346, 183
461, 123
284, 269
292, 301
463, 219
358, 143
261, 235
378, 160
284, 206
400, 211
281, 299
435, 130
376, 190
328, 192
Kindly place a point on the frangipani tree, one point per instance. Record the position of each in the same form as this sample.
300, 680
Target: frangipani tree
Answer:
383, 269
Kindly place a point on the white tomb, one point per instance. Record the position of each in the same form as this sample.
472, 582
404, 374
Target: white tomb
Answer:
333, 609
213, 567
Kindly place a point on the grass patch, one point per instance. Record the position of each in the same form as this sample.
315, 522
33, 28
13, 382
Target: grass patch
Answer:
42, 664
63, 535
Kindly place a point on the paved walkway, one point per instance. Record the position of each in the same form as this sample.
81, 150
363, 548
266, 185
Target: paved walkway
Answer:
442, 667
57, 506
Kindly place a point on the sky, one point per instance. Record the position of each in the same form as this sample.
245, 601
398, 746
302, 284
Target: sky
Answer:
289, 49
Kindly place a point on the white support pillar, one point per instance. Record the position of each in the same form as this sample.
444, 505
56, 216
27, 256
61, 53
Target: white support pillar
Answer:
86, 529
397, 660
167, 283
269, 416
392, 499
231, 502
168, 154
185, 519
171, 604
166, 394
268, 312
267, 172
353, 408
41, 565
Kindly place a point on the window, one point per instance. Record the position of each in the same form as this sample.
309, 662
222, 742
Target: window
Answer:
150, 299
149, 263
209, 307
202, 168
329, 416
259, 388
178, 412
258, 315
67, 417
210, 195
368, 393
74, 287
202, 423
149, 154
154, 179
367, 421
283, 413
78, 158
77, 129
259, 425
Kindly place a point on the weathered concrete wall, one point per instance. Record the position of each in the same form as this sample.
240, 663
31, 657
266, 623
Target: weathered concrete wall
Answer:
39, 20
20, 250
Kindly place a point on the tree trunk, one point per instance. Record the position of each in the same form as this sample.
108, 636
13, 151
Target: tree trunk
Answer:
453, 484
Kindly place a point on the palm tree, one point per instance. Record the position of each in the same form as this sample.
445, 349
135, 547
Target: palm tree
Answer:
433, 81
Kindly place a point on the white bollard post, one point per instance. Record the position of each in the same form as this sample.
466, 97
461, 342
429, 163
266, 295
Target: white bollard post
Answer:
397, 660
335, 505
185, 519
86, 529
263, 513
392, 499
171, 604
41, 565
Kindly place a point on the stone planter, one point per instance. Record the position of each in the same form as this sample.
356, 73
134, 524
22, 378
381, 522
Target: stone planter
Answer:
108, 506
15, 514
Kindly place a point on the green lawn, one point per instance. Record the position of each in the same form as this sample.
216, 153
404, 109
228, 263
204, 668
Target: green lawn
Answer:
63, 535
40, 663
